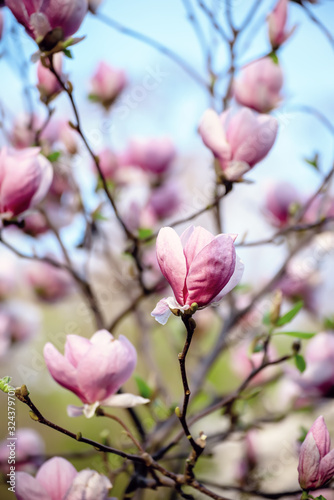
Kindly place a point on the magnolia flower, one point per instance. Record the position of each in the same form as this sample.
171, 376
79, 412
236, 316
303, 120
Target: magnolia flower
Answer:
28, 450
107, 83
277, 24
238, 140
48, 282
280, 200
153, 155
108, 163
39, 18
259, 85
25, 177
94, 370
57, 479
199, 267
47, 84
316, 460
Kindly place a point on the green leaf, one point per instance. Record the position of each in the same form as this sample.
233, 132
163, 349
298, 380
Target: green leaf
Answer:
144, 233
320, 497
274, 57
286, 318
314, 162
302, 436
68, 53
4, 384
93, 98
144, 389
298, 335
258, 348
266, 319
54, 156
99, 216
329, 323
300, 363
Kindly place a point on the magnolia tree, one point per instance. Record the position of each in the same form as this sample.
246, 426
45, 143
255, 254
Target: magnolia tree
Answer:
112, 237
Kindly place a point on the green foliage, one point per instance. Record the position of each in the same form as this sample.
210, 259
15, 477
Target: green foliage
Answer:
298, 335
4, 384
286, 318
144, 389
144, 233
54, 156
300, 363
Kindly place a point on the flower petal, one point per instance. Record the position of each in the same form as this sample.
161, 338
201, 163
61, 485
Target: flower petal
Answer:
124, 400
61, 370
211, 270
172, 261
198, 239
234, 281
161, 312
28, 488
56, 475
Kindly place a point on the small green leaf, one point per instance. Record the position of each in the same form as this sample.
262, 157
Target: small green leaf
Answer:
300, 363
68, 53
93, 98
266, 319
329, 323
298, 335
144, 389
314, 162
302, 436
144, 233
99, 216
320, 497
4, 384
53, 157
286, 318
258, 348
274, 57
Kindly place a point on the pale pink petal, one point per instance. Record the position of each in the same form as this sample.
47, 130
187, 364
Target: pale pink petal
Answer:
101, 337
213, 135
104, 368
28, 488
321, 436
211, 270
124, 400
198, 239
309, 461
161, 312
75, 348
46, 180
172, 261
89, 485
61, 370
75, 411
56, 475
234, 280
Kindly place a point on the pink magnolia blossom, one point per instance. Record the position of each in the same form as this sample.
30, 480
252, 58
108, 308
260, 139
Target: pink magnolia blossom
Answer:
316, 459
321, 207
48, 282
29, 449
57, 479
280, 199
94, 370
278, 33
47, 84
108, 163
107, 83
200, 268
40, 17
1, 23
259, 85
165, 200
152, 155
25, 178
238, 140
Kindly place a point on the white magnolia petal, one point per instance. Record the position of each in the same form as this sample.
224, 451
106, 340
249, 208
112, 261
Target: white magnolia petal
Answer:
124, 400
75, 411
89, 410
